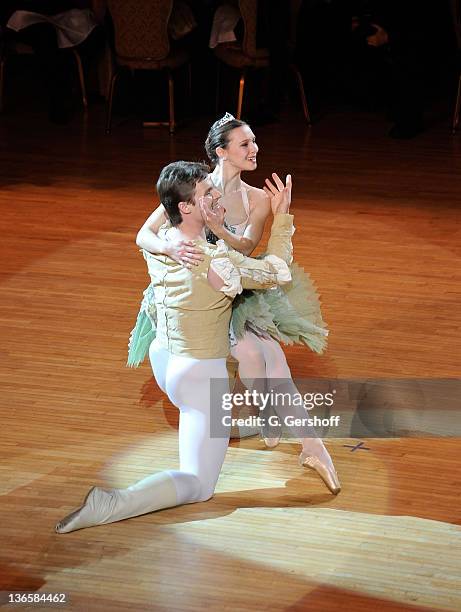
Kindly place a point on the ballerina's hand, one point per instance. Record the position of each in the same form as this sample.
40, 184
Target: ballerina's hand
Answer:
213, 215
279, 194
185, 253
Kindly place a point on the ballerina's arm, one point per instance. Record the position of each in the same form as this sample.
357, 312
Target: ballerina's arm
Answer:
246, 243
231, 271
182, 251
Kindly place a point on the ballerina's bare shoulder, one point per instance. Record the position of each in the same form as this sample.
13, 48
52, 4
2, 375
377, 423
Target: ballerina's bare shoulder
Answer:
257, 199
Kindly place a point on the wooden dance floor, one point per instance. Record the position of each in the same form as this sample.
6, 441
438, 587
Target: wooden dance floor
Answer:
378, 228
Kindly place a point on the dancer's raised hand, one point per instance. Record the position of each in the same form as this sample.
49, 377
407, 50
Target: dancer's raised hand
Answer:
213, 214
279, 194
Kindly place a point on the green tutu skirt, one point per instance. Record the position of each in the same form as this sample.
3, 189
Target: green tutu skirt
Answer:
290, 314
144, 330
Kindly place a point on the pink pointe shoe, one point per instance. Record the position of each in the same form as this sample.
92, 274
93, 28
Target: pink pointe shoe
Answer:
272, 442
328, 475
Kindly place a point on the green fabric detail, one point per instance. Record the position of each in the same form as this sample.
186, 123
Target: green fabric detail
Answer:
144, 331
290, 314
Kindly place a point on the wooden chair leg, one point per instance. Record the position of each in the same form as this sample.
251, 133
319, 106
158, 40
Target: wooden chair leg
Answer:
302, 93
189, 76
110, 102
240, 98
2, 83
457, 107
81, 77
172, 123
106, 68
218, 83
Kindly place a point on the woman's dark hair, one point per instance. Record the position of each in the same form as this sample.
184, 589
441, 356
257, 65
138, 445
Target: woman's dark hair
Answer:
218, 136
176, 183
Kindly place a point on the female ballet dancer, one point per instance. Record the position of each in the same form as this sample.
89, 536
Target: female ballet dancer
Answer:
189, 351
261, 319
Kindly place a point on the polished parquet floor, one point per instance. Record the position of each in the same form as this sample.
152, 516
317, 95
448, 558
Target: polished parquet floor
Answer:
378, 228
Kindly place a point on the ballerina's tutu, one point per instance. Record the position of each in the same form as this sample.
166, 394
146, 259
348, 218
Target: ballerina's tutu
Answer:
144, 330
290, 314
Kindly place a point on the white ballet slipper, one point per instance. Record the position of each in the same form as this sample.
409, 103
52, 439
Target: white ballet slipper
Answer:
97, 508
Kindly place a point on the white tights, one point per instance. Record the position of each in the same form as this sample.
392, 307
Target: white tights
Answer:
186, 381
262, 359
187, 384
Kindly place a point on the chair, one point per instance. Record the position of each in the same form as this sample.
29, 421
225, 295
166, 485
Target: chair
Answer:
247, 55
456, 14
8, 48
142, 43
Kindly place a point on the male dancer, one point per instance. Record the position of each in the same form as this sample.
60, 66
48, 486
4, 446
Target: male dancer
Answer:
191, 345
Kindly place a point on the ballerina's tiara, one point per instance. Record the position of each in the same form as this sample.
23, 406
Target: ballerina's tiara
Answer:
227, 117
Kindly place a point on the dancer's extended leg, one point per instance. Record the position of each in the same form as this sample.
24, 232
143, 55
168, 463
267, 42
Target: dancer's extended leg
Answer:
187, 382
262, 363
260, 359
188, 387
274, 357
314, 453
250, 355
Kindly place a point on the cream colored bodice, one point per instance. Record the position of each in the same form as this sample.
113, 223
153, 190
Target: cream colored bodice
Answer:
192, 317
237, 206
